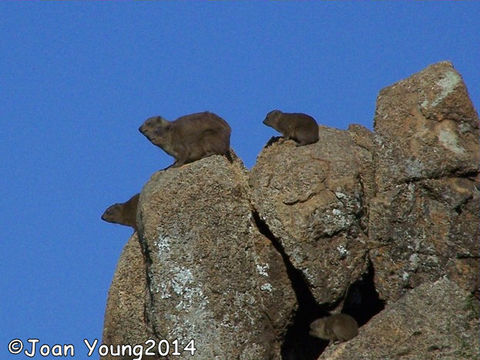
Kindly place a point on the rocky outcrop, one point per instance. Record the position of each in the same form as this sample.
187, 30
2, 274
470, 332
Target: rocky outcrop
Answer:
125, 316
424, 218
381, 225
426, 128
433, 321
213, 277
311, 197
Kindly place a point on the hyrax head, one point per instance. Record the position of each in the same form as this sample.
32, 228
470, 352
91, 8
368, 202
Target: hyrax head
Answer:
317, 328
113, 213
272, 118
155, 129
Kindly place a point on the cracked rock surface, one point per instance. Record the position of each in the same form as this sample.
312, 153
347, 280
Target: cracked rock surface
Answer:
382, 225
424, 218
311, 197
125, 318
433, 321
213, 277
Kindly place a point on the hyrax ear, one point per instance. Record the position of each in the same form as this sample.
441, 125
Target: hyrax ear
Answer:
276, 114
161, 121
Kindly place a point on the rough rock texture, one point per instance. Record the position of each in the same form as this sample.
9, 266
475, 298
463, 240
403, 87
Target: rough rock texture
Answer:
433, 321
125, 321
242, 262
426, 128
424, 218
312, 199
212, 276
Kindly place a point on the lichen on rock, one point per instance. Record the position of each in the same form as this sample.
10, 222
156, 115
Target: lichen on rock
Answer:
436, 320
381, 224
213, 277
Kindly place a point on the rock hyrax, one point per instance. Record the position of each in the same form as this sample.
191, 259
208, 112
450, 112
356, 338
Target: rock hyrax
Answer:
337, 327
123, 213
190, 137
296, 126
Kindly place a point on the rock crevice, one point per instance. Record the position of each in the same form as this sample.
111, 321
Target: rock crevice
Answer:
297, 343
380, 225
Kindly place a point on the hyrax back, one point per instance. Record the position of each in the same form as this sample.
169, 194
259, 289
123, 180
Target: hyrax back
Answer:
296, 126
123, 213
337, 327
190, 137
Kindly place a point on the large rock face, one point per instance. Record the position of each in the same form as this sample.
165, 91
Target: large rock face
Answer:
241, 262
434, 321
424, 218
426, 128
213, 277
311, 198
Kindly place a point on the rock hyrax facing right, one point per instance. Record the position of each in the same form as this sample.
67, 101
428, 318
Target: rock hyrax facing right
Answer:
337, 327
296, 126
190, 137
123, 213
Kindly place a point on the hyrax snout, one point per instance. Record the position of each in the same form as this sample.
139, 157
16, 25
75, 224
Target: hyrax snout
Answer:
123, 213
190, 137
296, 126
337, 327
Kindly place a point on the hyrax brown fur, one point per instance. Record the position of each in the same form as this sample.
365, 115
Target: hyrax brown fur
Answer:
190, 137
123, 213
337, 327
296, 126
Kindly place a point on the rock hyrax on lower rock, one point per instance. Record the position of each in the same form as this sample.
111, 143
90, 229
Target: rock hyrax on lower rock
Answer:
123, 213
296, 126
337, 327
190, 137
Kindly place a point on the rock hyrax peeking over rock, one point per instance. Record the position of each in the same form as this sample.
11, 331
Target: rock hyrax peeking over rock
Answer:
337, 327
296, 126
123, 213
190, 137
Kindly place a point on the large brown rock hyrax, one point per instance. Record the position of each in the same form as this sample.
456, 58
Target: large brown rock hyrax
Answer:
190, 137
337, 327
296, 126
123, 213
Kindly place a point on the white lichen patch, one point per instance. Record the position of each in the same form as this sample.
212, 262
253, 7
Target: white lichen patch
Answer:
189, 311
340, 195
163, 290
447, 85
180, 285
414, 261
449, 140
185, 327
190, 293
414, 168
296, 256
262, 269
464, 127
155, 289
266, 287
181, 279
308, 276
342, 251
163, 245
252, 351
335, 220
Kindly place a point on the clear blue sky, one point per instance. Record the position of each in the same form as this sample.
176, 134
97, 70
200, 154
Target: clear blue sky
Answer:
77, 79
